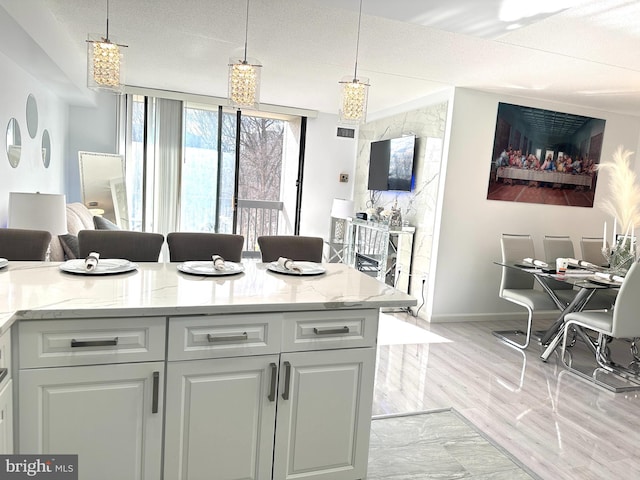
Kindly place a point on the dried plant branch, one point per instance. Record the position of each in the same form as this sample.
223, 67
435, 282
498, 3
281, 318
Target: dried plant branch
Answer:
624, 203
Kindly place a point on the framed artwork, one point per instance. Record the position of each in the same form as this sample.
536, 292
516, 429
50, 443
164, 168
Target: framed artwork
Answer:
542, 156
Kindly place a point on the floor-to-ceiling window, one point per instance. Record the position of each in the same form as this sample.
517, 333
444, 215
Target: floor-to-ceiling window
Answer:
237, 171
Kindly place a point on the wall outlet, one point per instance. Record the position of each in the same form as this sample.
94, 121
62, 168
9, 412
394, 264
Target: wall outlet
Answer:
344, 177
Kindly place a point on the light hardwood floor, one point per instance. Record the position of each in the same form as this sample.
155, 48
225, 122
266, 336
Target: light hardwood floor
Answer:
556, 424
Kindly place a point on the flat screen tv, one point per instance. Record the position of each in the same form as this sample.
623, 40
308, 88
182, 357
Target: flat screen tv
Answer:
391, 164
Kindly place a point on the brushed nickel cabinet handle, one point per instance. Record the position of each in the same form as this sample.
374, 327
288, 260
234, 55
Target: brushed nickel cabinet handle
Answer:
93, 343
330, 331
156, 387
229, 338
287, 380
274, 379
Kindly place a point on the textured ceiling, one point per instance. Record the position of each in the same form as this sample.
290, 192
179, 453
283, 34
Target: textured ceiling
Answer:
583, 55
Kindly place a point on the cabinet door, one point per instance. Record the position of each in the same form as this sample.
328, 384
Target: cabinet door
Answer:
220, 418
6, 419
110, 415
324, 414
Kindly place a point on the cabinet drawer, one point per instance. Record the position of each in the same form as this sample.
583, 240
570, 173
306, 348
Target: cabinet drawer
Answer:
329, 329
53, 343
218, 336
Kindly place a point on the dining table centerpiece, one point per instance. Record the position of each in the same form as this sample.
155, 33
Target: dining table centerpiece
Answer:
624, 205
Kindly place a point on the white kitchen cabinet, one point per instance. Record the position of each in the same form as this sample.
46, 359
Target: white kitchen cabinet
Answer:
324, 414
6, 419
221, 412
94, 387
220, 418
110, 415
6, 395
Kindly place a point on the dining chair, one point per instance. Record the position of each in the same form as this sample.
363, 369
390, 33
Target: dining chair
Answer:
591, 248
22, 244
620, 322
185, 246
126, 244
294, 247
518, 287
562, 246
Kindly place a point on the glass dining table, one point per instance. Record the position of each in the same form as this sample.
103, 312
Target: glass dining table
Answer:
587, 285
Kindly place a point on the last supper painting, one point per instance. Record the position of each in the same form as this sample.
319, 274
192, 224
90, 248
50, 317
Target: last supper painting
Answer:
542, 156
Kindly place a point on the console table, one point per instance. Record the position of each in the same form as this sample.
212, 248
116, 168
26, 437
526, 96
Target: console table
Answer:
381, 251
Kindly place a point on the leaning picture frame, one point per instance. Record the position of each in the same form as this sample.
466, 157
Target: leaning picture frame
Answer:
544, 156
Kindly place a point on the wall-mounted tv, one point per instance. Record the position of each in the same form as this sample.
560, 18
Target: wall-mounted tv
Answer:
391, 164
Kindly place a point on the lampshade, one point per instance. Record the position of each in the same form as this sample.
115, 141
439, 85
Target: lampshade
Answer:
353, 100
38, 211
244, 82
244, 76
341, 208
105, 62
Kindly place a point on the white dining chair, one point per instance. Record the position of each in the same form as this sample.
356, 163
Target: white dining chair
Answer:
518, 287
620, 322
591, 248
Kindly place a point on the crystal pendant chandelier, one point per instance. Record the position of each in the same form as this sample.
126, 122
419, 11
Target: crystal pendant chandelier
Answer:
355, 91
105, 62
244, 77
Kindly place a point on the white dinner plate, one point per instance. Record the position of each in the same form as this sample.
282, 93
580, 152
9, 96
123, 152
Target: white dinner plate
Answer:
106, 266
308, 268
205, 267
3, 262
604, 281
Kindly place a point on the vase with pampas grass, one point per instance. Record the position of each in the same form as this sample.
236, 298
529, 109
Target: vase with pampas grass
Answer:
624, 206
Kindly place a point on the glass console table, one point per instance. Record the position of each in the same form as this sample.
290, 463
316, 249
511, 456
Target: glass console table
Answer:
380, 250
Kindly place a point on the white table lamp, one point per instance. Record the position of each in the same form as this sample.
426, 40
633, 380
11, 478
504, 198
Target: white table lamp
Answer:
38, 211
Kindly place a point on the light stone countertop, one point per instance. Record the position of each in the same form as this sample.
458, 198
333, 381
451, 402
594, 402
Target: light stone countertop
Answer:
40, 290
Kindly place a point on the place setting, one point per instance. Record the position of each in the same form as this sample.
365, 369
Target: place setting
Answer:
216, 267
94, 265
287, 266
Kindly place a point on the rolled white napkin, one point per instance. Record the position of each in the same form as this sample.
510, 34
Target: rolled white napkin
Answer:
288, 264
581, 263
218, 262
610, 276
537, 263
91, 262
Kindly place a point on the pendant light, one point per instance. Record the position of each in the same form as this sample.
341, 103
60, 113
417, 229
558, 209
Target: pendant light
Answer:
244, 76
355, 91
105, 62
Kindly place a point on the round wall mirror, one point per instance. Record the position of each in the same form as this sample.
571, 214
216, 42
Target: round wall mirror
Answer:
32, 116
46, 148
14, 142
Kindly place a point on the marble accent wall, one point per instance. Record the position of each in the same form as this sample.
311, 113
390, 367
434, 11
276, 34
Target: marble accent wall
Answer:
418, 207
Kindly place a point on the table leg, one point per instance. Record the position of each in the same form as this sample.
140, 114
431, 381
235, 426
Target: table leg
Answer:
578, 303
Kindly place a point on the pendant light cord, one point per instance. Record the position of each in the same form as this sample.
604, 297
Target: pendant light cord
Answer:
107, 39
246, 33
355, 70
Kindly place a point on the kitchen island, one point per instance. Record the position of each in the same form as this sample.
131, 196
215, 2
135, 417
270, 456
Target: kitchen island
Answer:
158, 374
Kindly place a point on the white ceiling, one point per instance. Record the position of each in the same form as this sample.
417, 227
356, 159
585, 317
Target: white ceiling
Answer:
583, 55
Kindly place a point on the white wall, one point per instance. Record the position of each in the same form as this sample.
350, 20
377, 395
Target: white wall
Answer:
466, 281
326, 157
30, 175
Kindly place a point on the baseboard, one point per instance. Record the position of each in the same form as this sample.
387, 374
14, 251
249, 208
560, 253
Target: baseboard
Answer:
489, 317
